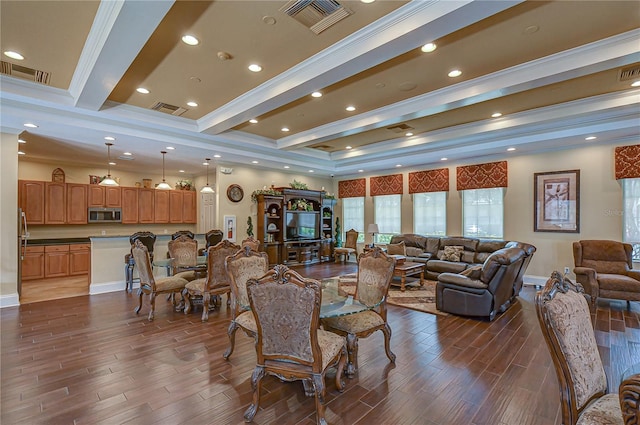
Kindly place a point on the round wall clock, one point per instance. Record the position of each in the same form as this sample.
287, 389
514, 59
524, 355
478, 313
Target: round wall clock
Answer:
235, 193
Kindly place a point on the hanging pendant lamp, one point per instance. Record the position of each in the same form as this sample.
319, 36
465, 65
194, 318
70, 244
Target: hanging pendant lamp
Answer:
207, 188
108, 181
164, 185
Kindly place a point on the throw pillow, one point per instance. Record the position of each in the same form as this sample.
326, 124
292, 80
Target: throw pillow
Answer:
396, 249
452, 253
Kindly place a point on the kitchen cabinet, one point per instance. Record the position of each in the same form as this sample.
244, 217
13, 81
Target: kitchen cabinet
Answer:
104, 196
189, 207
31, 200
95, 196
129, 205
56, 261
146, 198
79, 259
55, 203
76, 203
33, 263
176, 198
161, 206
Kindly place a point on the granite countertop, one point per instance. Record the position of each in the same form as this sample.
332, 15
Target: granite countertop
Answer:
57, 241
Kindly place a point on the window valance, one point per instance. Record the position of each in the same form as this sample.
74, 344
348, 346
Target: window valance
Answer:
386, 185
429, 181
627, 162
482, 176
352, 188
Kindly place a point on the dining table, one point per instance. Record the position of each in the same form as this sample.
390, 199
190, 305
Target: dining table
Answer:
169, 265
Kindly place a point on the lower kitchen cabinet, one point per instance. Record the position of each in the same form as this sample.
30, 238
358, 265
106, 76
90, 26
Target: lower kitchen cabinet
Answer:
33, 263
47, 261
56, 261
79, 259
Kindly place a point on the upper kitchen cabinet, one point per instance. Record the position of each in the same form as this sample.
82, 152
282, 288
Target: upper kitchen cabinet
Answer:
129, 205
182, 206
31, 200
104, 196
146, 204
161, 206
189, 208
55, 202
76, 203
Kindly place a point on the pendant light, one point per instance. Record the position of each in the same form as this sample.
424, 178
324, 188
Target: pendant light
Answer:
164, 185
207, 188
108, 181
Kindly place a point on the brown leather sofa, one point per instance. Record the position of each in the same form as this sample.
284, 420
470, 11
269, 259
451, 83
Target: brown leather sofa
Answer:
482, 290
604, 268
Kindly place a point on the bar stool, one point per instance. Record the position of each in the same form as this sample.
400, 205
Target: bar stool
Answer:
148, 239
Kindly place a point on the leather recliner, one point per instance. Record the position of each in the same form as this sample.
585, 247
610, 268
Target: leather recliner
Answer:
482, 290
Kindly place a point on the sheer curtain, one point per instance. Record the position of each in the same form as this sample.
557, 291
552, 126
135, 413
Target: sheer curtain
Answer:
387, 215
353, 216
631, 215
483, 213
430, 213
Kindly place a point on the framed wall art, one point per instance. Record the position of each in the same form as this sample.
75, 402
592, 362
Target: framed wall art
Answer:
557, 201
230, 228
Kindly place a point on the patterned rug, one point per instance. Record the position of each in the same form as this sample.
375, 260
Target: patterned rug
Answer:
415, 297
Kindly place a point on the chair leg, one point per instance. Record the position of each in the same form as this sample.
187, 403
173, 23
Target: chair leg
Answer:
231, 332
340, 370
352, 354
137, 310
152, 301
205, 306
256, 381
318, 383
387, 343
187, 301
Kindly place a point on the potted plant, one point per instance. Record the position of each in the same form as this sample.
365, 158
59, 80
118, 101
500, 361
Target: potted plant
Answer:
184, 184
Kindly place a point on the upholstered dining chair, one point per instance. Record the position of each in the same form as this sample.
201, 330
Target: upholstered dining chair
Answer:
183, 252
211, 238
149, 240
243, 265
565, 320
375, 271
350, 247
216, 282
252, 242
290, 344
187, 233
148, 283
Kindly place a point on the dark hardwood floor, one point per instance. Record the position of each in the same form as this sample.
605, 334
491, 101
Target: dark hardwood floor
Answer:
91, 360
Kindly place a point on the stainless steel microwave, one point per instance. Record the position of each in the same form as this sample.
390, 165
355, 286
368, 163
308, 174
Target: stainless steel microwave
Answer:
105, 215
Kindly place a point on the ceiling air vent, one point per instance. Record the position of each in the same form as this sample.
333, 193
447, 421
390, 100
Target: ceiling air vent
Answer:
630, 73
317, 15
25, 73
169, 109
400, 128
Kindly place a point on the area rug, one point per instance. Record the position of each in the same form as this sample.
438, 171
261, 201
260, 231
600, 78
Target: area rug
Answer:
415, 297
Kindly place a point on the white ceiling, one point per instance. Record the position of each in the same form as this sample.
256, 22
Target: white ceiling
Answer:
552, 68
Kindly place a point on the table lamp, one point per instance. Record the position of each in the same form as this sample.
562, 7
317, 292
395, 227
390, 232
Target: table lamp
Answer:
373, 229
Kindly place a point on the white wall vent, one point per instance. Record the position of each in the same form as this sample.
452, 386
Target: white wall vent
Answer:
317, 15
631, 73
168, 109
400, 128
25, 73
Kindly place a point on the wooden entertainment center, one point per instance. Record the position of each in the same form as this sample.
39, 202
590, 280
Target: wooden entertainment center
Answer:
296, 227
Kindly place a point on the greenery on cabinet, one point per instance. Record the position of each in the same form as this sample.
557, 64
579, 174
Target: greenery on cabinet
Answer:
184, 184
249, 227
256, 193
301, 205
298, 185
338, 241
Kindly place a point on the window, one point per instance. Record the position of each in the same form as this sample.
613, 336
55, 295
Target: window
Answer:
387, 215
430, 213
482, 213
353, 217
631, 215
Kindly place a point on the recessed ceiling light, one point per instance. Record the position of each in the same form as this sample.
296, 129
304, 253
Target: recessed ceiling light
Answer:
127, 153
112, 163
311, 171
316, 94
181, 171
429, 47
350, 108
590, 138
217, 156
253, 121
21, 153
409, 134
360, 171
255, 67
170, 148
192, 104
205, 163
635, 84
110, 138
367, 1
511, 149
496, 115
142, 90
285, 129
286, 166
30, 125
348, 147
455, 73
14, 55
254, 162
22, 141
444, 158
398, 165
190, 40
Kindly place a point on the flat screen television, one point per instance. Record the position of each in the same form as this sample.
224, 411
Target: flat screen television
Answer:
302, 225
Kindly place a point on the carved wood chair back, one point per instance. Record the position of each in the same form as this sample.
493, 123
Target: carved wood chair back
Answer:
212, 237
183, 251
142, 258
252, 242
216, 273
352, 240
243, 265
147, 238
179, 233
375, 271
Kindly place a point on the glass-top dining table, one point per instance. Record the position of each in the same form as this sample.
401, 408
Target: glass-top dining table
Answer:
168, 264
336, 302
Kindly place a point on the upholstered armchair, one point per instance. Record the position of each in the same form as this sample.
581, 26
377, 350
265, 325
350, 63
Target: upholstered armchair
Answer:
565, 320
350, 247
183, 252
148, 283
242, 266
148, 239
290, 345
216, 282
375, 271
604, 268
529, 250
482, 290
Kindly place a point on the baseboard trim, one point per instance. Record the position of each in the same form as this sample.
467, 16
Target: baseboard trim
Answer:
10, 300
534, 280
115, 286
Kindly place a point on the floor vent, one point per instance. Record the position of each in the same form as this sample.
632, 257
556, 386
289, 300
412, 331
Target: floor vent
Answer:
630, 73
317, 15
168, 109
25, 73
400, 128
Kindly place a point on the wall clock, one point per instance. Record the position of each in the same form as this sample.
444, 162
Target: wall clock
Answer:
235, 193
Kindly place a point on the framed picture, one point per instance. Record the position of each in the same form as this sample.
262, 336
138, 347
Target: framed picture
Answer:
557, 201
230, 228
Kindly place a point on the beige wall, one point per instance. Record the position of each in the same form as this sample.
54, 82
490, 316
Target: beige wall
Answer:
600, 203
8, 215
